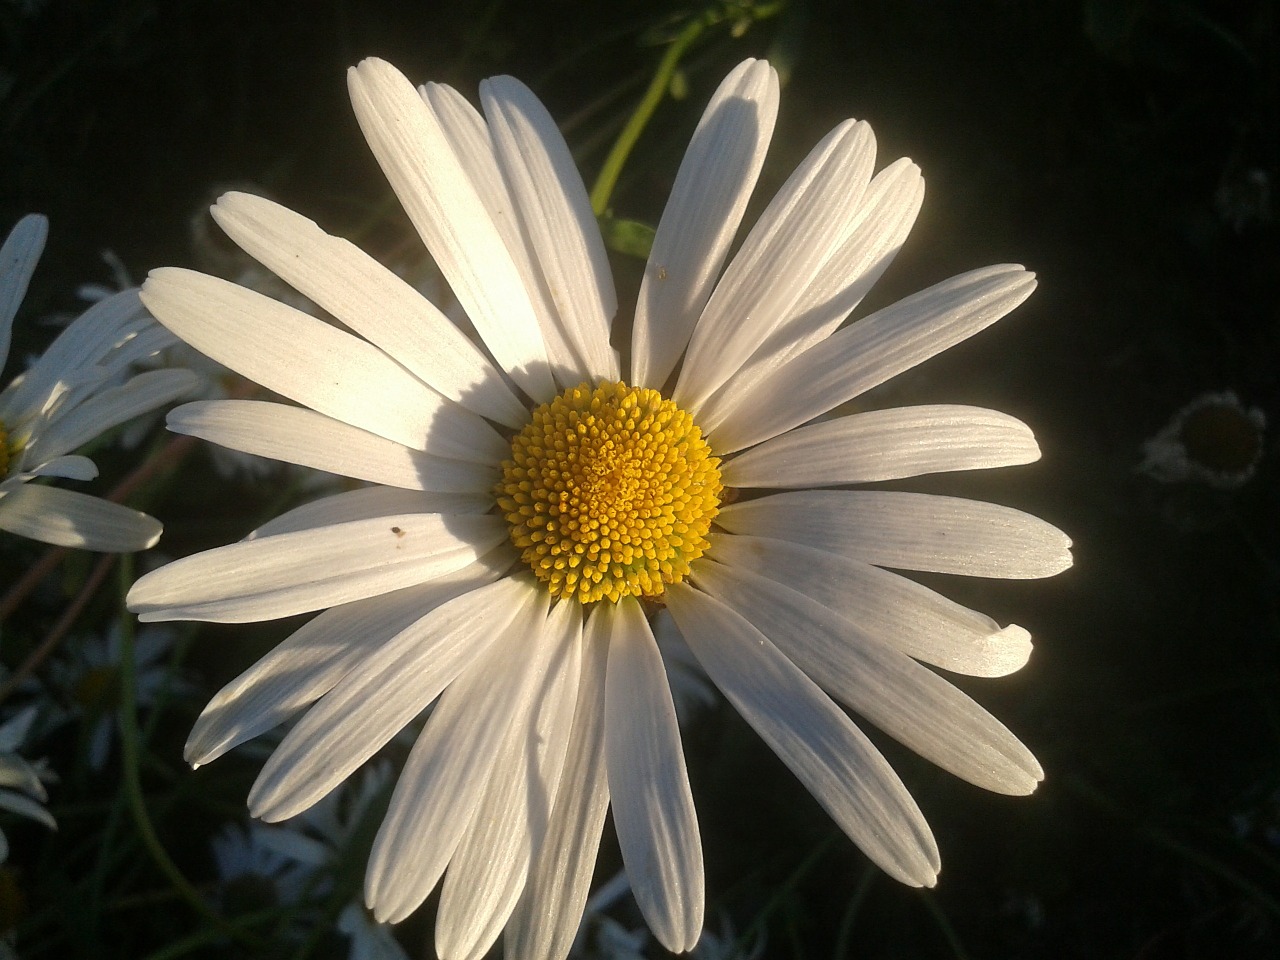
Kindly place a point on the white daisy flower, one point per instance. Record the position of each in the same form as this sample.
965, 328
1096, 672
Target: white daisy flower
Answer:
1215, 440
88, 676
253, 874
320, 836
69, 396
537, 500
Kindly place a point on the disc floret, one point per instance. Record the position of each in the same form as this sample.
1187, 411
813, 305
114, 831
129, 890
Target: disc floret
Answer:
610, 492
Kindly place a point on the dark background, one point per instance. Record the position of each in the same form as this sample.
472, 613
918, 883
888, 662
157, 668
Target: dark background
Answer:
1093, 141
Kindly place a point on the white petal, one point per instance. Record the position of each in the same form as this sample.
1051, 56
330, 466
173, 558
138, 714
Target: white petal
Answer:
887, 607
468, 135
366, 503
652, 804
307, 665
908, 531
342, 279
297, 572
318, 365
441, 200
310, 439
557, 218
906, 700
146, 342
487, 873
110, 408
450, 765
26, 807
71, 466
786, 249
76, 354
866, 354
811, 735
885, 445
18, 259
710, 193
379, 696
66, 518
887, 213
547, 918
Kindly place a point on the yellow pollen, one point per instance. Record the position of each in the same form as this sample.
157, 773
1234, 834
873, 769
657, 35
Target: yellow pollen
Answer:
610, 493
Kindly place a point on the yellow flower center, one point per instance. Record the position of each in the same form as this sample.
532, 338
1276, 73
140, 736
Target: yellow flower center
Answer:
610, 493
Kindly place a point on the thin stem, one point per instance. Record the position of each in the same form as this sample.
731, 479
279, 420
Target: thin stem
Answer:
658, 86
133, 782
713, 14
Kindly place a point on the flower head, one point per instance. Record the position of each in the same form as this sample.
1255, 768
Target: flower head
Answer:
538, 496
76, 391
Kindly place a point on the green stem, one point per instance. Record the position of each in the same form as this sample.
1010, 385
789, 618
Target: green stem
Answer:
658, 86
713, 14
133, 783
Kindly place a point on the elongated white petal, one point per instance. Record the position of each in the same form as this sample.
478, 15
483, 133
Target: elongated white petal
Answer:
71, 466
811, 735
75, 357
885, 217
908, 701
310, 569
487, 873
786, 249
450, 765
549, 913
145, 342
866, 354
908, 531
110, 408
557, 218
652, 804
310, 439
373, 701
342, 279
468, 135
369, 502
441, 200
318, 365
710, 193
311, 661
26, 807
885, 445
886, 606
886, 213
18, 259
67, 518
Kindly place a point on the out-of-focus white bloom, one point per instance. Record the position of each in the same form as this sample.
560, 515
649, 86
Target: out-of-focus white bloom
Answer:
22, 782
252, 873
87, 674
321, 835
1214, 440
69, 396
532, 510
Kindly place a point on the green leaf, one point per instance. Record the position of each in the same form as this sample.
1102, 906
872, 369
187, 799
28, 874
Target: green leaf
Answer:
627, 236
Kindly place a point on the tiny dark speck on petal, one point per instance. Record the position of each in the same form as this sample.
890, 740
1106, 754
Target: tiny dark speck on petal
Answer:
397, 531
